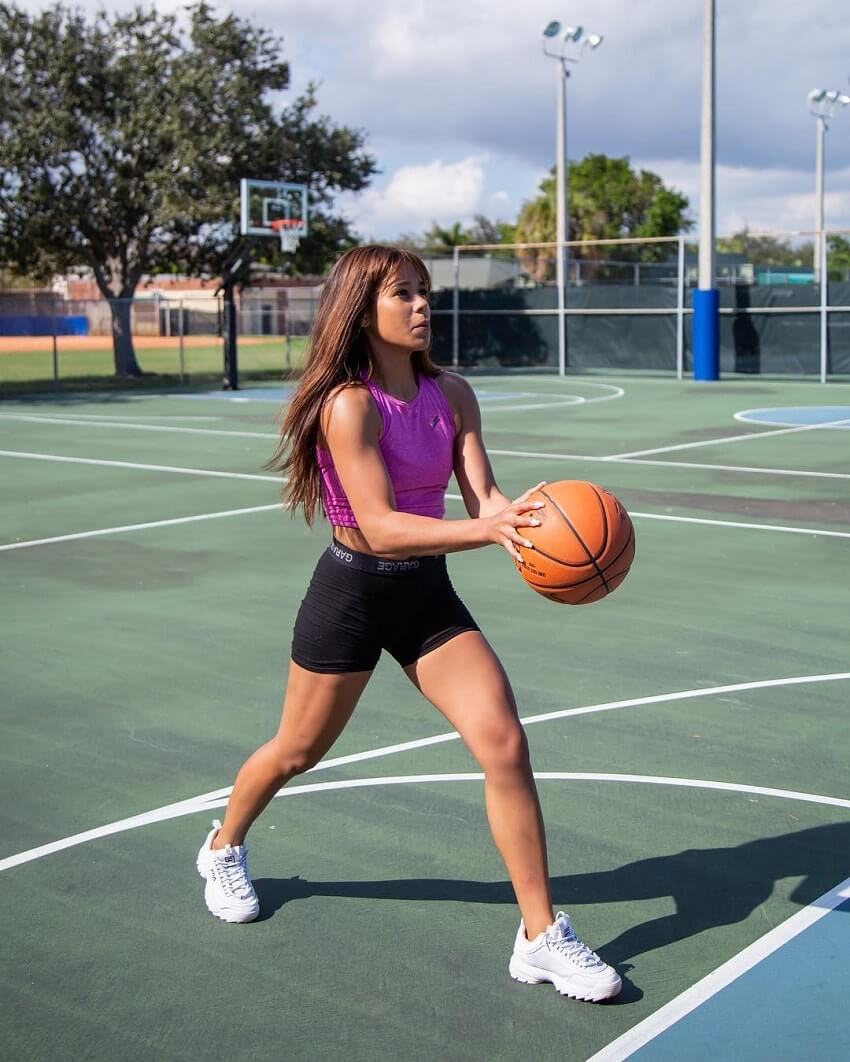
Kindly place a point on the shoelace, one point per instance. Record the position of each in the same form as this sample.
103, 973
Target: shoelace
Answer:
233, 873
576, 950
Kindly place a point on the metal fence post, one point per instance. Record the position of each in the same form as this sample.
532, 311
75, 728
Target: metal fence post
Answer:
287, 331
55, 354
680, 311
181, 324
456, 307
824, 304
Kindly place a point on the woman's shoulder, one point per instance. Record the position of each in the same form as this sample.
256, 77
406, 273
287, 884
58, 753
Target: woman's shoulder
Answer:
457, 390
452, 383
349, 406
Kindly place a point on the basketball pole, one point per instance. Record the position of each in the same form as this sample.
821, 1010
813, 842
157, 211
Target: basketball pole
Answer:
231, 365
236, 270
706, 299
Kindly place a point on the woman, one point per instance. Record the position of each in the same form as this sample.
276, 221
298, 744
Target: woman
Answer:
374, 431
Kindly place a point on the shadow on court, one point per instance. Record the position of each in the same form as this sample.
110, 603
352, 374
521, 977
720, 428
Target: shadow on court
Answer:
710, 886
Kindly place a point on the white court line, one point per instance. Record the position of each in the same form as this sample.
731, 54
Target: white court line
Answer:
559, 400
198, 805
668, 464
543, 776
137, 465
173, 428
733, 468
136, 527
742, 524
449, 497
499, 453
642, 1033
731, 438
571, 400
218, 797
126, 418
744, 417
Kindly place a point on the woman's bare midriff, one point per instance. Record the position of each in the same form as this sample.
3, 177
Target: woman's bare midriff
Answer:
351, 537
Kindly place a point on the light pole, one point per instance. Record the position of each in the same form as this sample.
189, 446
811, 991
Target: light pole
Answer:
572, 35
823, 104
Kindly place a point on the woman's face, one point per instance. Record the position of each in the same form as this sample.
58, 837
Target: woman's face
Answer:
401, 314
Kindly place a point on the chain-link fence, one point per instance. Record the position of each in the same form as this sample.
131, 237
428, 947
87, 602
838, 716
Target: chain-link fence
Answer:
626, 306
48, 341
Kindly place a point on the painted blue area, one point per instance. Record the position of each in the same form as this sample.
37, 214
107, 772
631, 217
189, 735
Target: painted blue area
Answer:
791, 416
791, 1006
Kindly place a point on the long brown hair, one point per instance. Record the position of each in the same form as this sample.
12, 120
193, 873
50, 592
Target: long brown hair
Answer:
339, 356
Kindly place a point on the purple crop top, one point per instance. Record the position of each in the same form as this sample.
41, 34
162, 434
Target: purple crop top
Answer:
417, 444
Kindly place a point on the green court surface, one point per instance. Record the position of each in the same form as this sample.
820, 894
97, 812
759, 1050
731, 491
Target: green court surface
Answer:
689, 733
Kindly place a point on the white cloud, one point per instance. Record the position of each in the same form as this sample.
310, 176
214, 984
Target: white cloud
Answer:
415, 196
449, 80
763, 200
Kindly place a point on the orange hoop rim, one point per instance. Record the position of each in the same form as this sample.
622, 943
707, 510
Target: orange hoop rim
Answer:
282, 224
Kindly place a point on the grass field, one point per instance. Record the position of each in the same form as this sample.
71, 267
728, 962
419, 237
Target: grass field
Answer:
81, 360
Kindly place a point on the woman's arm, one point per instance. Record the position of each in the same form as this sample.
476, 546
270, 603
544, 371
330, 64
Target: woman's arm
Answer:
472, 467
351, 426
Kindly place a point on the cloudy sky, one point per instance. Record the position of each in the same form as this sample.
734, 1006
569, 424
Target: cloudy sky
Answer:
459, 103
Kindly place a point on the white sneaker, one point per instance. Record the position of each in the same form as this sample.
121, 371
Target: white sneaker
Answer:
229, 893
558, 956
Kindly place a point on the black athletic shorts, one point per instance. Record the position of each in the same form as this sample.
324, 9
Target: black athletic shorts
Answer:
357, 604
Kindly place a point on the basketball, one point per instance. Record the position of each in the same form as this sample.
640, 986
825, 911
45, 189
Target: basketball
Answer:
584, 546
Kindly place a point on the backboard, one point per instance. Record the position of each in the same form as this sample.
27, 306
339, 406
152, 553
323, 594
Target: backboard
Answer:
263, 203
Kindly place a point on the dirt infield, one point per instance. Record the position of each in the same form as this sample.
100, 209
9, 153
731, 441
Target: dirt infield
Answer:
44, 344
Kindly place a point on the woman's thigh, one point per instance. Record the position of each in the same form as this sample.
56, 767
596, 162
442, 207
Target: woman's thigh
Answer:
466, 682
316, 708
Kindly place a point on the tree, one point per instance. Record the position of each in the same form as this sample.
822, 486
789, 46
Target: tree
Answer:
444, 239
483, 230
122, 141
838, 251
607, 200
768, 250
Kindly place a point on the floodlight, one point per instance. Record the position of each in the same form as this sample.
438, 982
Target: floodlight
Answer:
823, 104
568, 51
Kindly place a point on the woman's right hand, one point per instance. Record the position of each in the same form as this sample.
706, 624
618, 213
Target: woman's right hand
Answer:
503, 527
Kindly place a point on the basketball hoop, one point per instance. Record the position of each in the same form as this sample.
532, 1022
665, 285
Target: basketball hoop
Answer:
289, 230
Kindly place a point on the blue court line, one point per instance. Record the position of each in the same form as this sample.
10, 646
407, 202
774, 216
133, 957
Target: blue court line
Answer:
792, 416
791, 1006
